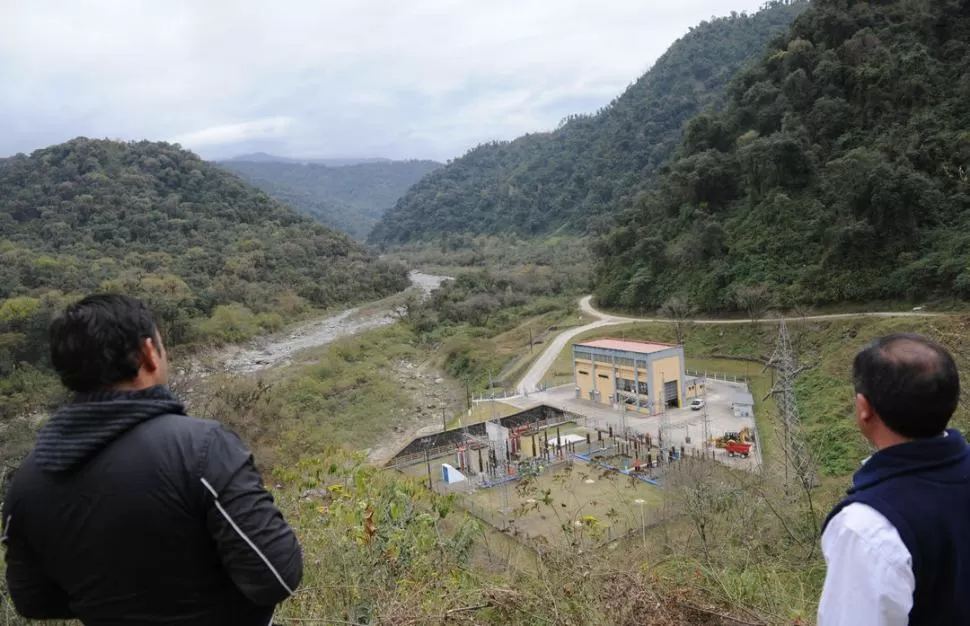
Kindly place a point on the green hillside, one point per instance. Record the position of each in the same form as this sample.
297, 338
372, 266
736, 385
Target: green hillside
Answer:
837, 172
216, 259
350, 198
591, 164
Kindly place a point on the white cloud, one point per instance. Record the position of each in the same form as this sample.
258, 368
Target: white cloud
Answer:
269, 128
400, 78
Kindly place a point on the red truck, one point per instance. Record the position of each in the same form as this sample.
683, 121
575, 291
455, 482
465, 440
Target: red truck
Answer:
736, 448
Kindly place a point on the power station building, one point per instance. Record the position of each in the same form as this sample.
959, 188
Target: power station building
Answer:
644, 376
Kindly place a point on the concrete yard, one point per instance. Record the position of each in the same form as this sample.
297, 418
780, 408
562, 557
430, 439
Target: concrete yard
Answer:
683, 422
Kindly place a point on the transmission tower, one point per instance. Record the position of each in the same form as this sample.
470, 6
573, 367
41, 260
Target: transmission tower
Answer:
798, 457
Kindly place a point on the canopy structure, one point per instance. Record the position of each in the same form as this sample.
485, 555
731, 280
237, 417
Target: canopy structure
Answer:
565, 440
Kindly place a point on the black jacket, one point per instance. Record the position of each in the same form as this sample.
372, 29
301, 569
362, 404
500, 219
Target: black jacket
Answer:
129, 512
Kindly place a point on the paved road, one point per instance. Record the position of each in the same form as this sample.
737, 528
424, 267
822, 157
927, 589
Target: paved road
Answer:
535, 374
586, 306
538, 370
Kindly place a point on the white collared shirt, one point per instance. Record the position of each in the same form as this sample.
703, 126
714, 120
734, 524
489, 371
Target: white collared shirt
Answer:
869, 580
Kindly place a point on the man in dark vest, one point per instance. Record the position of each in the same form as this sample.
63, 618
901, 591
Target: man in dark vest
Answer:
898, 546
130, 512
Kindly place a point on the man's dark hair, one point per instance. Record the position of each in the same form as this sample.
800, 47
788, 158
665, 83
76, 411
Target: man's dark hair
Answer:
912, 383
96, 343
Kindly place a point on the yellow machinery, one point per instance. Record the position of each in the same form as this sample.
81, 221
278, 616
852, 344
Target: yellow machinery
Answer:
745, 436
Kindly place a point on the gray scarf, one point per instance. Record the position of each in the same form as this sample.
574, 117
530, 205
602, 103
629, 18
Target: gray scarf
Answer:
79, 430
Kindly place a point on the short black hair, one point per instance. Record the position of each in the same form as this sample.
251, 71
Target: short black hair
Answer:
911, 382
96, 343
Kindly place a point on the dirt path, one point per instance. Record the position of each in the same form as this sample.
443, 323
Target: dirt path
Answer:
437, 400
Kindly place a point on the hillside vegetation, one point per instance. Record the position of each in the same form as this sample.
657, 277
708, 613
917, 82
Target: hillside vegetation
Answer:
591, 164
217, 260
350, 198
837, 172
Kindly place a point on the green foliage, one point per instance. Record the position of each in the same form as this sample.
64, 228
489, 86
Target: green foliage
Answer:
561, 262
837, 172
573, 177
350, 198
215, 259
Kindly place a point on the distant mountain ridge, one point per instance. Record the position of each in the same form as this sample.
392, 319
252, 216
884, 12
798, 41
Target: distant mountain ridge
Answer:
263, 157
158, 222
574, 178
349, 197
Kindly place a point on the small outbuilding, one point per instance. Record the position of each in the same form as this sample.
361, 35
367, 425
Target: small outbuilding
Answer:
743, 405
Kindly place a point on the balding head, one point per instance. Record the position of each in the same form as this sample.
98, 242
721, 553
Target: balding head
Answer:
910, 382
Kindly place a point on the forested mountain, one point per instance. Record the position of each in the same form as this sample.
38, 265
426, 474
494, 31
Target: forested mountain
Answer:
840, 170
216, 259
350, 197
592, 164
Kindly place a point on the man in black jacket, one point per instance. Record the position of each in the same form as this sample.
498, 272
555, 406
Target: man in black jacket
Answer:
128, 511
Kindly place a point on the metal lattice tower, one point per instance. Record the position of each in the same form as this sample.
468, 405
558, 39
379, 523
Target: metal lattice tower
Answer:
798, 456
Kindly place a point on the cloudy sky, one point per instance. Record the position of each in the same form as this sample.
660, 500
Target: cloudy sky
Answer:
322, 78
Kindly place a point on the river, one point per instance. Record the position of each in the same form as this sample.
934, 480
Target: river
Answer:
275, 350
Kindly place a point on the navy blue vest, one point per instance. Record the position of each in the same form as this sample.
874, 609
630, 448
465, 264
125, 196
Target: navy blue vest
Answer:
923, 489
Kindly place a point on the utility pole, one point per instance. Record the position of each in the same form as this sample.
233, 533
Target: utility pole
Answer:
707, 421
530, 340
444, 420
427, 460
664, 417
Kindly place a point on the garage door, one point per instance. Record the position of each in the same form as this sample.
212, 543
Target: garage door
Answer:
670, 392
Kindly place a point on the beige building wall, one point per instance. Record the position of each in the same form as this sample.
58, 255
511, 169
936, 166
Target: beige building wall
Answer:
604, 383
589, 376
584, 373
695, 390
666, 370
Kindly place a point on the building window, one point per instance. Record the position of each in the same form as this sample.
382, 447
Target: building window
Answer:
582, 373
603, 375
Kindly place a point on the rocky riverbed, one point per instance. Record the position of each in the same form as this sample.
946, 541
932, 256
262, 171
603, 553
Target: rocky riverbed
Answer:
275, 350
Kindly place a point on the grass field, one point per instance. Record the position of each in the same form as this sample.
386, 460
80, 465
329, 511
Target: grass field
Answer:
547, 507
484, 411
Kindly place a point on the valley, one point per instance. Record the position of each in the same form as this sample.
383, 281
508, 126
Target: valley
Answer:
597, 374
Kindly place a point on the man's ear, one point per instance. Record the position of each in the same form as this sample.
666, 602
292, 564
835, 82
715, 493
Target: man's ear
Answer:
863, 410
150, 355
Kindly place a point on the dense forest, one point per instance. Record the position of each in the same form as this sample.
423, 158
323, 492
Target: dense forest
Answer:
216, 259
350, 198
573, 177
840, 170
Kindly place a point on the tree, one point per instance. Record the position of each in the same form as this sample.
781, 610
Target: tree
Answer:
679, 310
754, 300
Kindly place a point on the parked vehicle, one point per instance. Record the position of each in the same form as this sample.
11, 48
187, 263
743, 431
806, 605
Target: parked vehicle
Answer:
736, 448
696, 404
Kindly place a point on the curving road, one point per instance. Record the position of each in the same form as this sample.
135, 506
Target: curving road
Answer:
538, 370
585, 305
